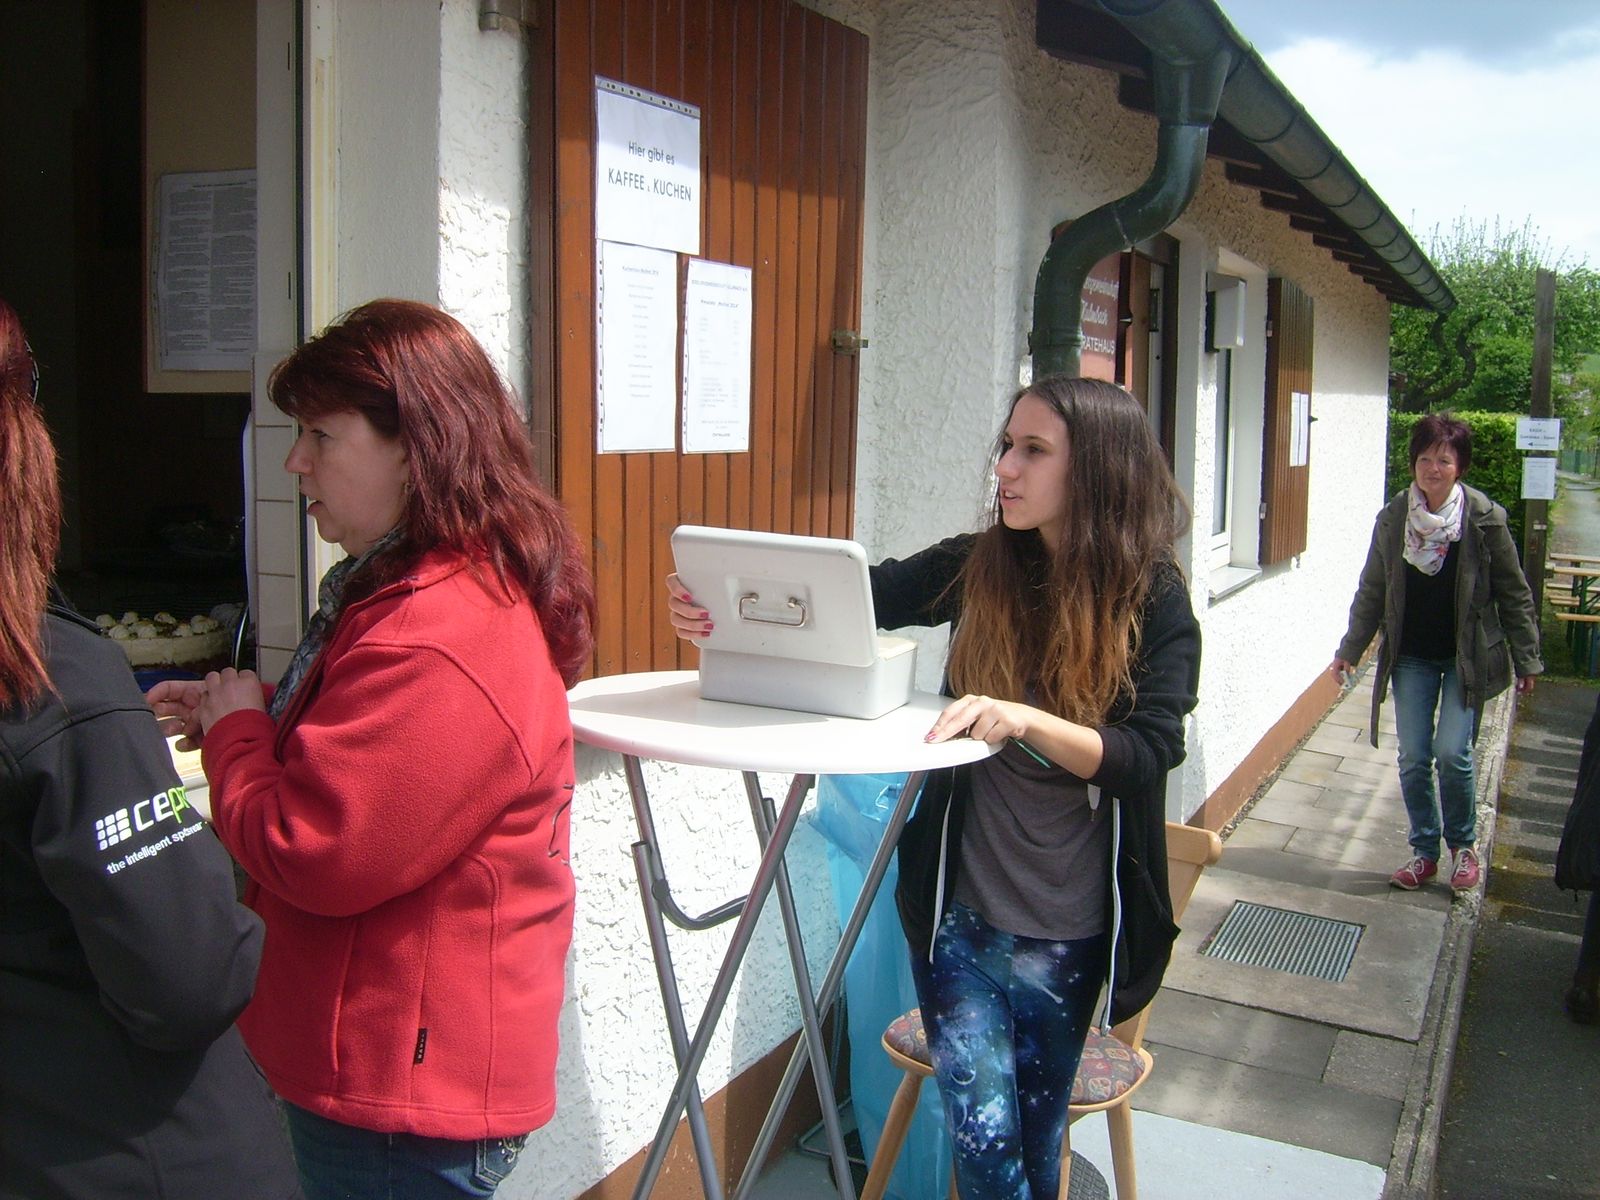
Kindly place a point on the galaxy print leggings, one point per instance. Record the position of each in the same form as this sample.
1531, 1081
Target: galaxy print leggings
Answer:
1006, 1018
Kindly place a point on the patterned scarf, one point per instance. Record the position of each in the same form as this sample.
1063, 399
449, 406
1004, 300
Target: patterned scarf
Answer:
1429, 534
330, 595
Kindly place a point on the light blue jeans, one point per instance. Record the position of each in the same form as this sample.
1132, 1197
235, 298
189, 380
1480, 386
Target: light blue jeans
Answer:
342, 1162
1436, 730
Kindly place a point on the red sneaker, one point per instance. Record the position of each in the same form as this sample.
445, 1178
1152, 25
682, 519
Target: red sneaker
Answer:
1414, 874
1465, 870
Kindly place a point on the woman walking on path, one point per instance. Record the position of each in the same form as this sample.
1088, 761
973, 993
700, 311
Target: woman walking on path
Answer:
1443, 583
1026, 879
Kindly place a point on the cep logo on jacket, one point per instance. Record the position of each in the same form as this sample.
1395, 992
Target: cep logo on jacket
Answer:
170, 805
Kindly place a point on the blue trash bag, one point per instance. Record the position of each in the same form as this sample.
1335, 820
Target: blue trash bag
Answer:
851, 813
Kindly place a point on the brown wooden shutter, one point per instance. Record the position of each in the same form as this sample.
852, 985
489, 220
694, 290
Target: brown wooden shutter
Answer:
782, 96
1285, 482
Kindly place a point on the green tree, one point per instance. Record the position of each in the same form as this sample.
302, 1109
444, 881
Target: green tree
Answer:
1479, 356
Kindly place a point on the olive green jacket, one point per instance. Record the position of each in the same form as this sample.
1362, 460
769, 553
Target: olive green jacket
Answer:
1497, 630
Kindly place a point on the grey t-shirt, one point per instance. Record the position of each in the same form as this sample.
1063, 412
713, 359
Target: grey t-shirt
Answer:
1034, 855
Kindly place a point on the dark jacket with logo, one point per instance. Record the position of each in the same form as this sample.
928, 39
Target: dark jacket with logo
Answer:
1143, 738
1497, 631
124, 958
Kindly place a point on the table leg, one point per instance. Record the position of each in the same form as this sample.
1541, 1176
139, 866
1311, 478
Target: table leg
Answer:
648, 869
765, 817
833, 979
722, 986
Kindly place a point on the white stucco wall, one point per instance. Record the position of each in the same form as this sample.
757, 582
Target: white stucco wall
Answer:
977, 145
387, 204
482, 193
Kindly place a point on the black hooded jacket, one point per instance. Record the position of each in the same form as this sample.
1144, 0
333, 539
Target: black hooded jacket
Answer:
124, 959
1143, 738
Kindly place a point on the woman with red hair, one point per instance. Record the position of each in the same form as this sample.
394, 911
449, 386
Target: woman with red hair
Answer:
124, 954
401, 800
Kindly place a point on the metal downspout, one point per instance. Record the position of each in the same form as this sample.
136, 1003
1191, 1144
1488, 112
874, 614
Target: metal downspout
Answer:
1186, 94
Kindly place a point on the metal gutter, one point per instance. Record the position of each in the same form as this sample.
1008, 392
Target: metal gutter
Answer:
1188, 83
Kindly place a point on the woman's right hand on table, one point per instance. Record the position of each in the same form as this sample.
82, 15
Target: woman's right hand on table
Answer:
689, 620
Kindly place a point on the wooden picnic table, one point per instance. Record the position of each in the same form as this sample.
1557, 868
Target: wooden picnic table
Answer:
1583, 615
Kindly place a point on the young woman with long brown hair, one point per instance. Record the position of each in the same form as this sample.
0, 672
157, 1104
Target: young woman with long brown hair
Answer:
401, 800
1029, 879
124, 956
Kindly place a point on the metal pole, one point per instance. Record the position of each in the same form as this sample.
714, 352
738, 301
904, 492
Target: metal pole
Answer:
1537, 512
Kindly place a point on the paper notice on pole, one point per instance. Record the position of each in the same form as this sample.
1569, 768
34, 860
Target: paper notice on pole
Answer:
1538, 478
204, 269
636, 338
1538, 433
646, 168
717, 304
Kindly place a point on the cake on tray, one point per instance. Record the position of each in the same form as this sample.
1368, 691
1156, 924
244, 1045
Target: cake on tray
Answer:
198, 644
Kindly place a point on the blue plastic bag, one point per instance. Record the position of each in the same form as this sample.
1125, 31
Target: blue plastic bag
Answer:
852, 811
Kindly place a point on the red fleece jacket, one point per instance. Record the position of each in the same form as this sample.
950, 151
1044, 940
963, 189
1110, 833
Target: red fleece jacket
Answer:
405, 828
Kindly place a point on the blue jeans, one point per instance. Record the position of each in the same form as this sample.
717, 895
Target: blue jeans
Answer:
1436, 729
342, 1162
1006, 1017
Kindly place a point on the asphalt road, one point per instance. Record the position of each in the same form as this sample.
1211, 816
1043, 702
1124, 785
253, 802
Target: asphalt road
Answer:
1522, 1119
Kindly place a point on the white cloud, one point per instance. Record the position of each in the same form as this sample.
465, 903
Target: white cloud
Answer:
1440, 136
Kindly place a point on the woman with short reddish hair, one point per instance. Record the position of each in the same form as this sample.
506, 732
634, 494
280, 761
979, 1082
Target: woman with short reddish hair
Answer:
1443, 584
124, 954
401, 800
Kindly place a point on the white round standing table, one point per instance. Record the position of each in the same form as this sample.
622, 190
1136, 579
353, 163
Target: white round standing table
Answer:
660, 715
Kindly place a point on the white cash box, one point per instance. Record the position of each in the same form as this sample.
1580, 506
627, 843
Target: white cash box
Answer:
793, 623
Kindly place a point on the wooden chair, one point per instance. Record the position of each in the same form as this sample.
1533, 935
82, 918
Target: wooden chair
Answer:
1113, 1066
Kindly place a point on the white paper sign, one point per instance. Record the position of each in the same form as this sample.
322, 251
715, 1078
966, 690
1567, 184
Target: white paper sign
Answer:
646, 168
717, 306
1299, 429
204, 269
1538, 478
1538, 433
636, 337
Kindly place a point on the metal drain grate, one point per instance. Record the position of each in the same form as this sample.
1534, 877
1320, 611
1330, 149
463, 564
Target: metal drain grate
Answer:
1259, 935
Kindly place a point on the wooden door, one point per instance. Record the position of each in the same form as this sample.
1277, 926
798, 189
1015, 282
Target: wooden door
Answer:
782, 99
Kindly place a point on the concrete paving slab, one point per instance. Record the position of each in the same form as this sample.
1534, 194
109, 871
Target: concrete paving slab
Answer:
1376, 778
1385, 990
1289, 867
1261, 834
1270, 1104
1375, 822
1180, 1160
1363, 1063
1251, 1036
1379, 855
1307, 766
1331, 740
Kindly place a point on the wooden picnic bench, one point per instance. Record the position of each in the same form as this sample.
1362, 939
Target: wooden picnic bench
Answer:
1581, 637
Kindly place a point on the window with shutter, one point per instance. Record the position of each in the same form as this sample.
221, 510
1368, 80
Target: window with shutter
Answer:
1286, 441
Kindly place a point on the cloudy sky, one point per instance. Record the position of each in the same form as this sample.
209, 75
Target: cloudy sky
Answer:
1487, 109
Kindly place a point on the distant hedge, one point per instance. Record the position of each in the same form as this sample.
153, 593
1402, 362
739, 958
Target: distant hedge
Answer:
1496, 462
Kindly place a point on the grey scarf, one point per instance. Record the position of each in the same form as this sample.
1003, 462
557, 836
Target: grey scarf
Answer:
330, 597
